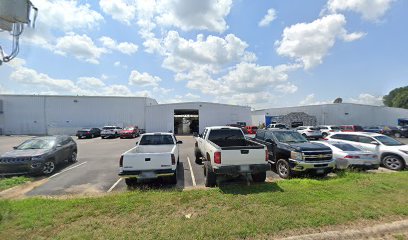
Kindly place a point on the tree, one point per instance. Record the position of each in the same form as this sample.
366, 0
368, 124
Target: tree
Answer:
397, 98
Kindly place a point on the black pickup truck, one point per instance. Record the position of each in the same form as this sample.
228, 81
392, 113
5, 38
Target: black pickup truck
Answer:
291, 153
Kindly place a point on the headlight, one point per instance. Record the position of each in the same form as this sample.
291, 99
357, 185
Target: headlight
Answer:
404, 151
36, 158
296, 155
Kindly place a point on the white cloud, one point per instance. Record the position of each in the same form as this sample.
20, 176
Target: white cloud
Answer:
268, 18
119, 10
90, 82
123, 47
310, 100
80, 46
286, 88
370, 10
143, 79
4, 90
198, 15
309, 43
118, 90
366, 98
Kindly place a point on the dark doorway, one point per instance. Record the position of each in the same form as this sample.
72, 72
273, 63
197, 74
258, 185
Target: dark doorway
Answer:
186, 121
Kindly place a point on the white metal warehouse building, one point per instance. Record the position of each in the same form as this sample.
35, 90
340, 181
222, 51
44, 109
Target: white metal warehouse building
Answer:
49, 115
339, 114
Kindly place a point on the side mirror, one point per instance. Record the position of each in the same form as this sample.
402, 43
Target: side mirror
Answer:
269, 140
15, 147
179, 142
374, 143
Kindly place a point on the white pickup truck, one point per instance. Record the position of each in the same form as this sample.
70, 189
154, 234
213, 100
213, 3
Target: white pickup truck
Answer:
226, 151
155, 155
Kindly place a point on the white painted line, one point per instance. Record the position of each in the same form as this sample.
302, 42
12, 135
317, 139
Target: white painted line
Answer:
192, 173
67, 170
114, 185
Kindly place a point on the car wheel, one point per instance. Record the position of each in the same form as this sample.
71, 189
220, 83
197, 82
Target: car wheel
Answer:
130, 181
198, 156
304, 135
283, 169
397, 135
259, 177
73, 157
393, 162
48, 167
210, 178
324, 135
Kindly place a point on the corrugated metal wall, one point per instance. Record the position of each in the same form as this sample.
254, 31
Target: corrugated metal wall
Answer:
160, 118
340, 114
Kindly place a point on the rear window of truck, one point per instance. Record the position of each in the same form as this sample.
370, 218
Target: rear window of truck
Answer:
156, 140
225, 134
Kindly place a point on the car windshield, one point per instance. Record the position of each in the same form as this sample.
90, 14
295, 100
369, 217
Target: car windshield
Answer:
290, 137
388, 141
335, 128
108, 128
37, 144
346, 147
314, 128
156, 140
129, 129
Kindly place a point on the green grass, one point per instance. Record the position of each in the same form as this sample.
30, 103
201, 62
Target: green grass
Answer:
229, 212
6, 183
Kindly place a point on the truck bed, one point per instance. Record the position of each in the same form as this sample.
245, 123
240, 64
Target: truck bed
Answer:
152, 149
237, 144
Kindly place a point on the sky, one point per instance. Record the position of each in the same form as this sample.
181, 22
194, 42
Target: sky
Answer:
264, 53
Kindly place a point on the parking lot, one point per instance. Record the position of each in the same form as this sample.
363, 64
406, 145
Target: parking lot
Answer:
96, 170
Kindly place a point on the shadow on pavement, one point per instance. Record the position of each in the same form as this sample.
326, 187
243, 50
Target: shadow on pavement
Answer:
254, 188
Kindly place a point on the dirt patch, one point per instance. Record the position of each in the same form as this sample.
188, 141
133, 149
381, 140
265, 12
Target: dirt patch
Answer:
392, 230
83, 189
18, 192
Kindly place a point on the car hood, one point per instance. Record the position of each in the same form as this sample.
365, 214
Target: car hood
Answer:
309, 146
25, 153
126, 131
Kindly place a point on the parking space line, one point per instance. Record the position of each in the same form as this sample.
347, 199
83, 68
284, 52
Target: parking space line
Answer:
114, 185
66, 170
192, 173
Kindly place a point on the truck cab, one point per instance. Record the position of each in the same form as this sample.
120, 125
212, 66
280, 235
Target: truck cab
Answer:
291, 153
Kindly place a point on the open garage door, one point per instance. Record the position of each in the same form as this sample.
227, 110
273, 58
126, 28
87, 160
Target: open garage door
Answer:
186, 121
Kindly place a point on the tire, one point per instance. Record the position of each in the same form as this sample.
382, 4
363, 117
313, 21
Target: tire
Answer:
48, 168
324, 135
210, 178
393, 162
173, 178
73, 157
283, 169
304, 135
397, 135
178, 161
102, 137
259, 177
198, 156
130, 181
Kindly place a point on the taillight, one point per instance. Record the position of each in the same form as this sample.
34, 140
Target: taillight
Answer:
217, 157
325, 139
352, 157
173, 159
331, 130
121, 161
266, 155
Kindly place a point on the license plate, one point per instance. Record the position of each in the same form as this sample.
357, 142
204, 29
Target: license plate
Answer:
148, 175
320, 171
244, 168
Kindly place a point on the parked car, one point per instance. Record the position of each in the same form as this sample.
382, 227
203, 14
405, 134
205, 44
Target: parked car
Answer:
155, 155
110, 131
327, 129
393, 154
309, 132
88, 133
130, 132
397, 132
291, 153
39, 155
351, 128
251, 129
142, 131
277, 126
349, 156
226, 152
373, 129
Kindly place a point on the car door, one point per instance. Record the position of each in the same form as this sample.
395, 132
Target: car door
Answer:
200, 142
270, 144
365, 143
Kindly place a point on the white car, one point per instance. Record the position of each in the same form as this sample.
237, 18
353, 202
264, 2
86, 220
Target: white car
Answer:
392, 153
347, 155
155, 155
309, 132
277, 126
327, 129
110, 131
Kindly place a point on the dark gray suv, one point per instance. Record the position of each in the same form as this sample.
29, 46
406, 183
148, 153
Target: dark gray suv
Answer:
39, 155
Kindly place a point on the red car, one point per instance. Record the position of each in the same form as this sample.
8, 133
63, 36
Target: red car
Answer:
251, 129
351, 128
130, 132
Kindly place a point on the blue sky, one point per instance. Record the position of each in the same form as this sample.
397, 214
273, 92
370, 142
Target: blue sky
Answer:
256, 53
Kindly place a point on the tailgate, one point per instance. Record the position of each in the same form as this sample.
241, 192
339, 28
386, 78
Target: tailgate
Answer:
244, 156
146, 161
